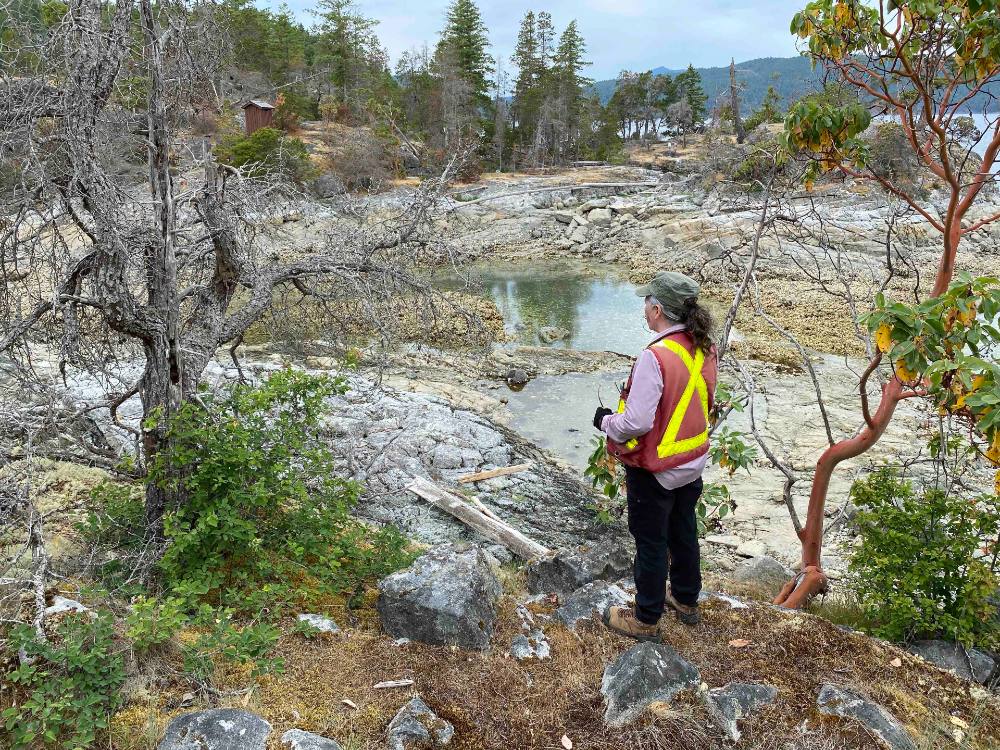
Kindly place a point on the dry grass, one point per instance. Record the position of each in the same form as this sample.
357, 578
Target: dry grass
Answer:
497, 702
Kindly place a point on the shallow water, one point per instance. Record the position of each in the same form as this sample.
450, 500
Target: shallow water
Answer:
557, 411
598, 310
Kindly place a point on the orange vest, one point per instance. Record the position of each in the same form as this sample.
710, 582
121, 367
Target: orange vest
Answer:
680, 427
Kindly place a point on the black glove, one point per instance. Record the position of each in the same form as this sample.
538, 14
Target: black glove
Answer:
599, 416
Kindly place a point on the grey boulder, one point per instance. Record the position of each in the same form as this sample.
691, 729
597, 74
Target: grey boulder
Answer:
835, 701
970, 664
416, 726
300, 740
568, 570
644, 674
517, 378
736, 701
763, 572
600, 217
216, 729
589, 602
328, 185
448, 597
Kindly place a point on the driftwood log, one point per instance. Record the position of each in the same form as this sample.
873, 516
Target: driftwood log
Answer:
487, 525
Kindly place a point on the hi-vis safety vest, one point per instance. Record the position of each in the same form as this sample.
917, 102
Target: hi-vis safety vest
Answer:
680, 427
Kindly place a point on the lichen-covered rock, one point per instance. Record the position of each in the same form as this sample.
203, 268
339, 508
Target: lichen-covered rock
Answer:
645, 674
61, 605
590, 601
736, 701
216, 729
570, 569
320, 623
971, 664
530, 646
416, 727
835, 701
448, 597
764, 572
300, 740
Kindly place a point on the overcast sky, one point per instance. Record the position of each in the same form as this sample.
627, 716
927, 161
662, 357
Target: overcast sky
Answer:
629, 34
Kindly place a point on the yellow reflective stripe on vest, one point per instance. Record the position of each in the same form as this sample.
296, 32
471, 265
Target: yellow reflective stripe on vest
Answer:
634, 442
670, 445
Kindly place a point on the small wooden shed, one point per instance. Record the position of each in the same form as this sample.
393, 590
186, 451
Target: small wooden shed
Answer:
257, 114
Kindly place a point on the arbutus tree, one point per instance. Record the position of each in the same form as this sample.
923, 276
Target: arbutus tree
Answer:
927, 65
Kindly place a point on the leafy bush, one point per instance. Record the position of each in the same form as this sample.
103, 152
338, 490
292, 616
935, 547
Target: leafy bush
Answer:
150, 622
265, 519
222, 637
67, 688
267, 151
919, 571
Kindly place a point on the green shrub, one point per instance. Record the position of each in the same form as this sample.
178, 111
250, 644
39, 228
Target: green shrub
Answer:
224, 638
67, 688
265, 518
917, 572
151, 622
267, 151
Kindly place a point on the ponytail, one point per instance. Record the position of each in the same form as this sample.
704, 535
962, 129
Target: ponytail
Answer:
698, 321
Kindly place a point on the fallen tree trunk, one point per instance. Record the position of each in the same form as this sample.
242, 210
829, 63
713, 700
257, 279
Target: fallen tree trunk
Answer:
491, 528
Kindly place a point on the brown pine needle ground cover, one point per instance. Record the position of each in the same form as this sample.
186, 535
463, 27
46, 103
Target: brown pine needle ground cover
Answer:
495, 701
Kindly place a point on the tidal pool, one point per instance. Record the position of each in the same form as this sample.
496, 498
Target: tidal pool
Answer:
596, 309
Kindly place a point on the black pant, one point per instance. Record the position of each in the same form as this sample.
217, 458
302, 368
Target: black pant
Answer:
663, 521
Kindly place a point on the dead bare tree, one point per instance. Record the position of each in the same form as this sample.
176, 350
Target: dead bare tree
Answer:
734, 103
105, 273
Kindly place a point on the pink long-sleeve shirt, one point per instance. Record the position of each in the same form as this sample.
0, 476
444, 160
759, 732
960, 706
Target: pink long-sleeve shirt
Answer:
640, 411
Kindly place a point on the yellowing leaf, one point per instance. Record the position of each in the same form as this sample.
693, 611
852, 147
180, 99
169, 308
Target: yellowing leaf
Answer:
993, 454
739, 643
883, 337
904, 374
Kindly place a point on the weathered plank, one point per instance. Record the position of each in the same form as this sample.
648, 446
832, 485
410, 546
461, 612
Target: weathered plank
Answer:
501, 472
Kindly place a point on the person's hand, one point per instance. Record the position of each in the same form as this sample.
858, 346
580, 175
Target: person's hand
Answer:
600, 414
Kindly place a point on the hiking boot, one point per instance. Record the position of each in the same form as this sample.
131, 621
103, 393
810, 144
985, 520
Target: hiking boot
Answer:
623, 620
685, 613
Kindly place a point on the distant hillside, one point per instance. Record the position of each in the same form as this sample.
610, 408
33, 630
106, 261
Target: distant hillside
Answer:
791, 76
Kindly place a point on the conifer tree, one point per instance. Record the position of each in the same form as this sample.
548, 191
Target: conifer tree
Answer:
466, 36
527, 85
567, 66
690, 82
349, 47
546, 38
